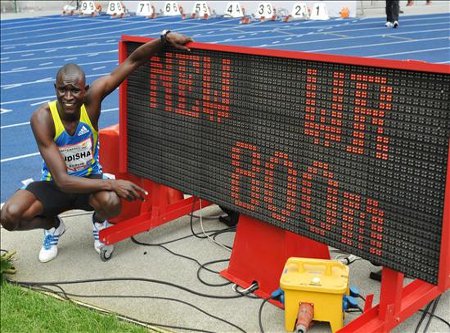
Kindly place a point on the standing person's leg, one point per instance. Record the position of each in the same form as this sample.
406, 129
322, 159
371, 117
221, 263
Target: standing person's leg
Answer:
395, 12
389, 14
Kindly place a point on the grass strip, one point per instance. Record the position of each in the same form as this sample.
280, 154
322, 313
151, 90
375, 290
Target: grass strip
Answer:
24, 310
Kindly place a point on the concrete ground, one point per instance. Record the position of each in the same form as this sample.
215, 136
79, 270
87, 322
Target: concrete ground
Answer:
77, 260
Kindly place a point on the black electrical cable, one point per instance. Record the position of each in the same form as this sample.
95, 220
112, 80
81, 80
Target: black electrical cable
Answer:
423, 316
222, 231
66, 294
130, 319
181, 255
230, 229
203, 266
26, 283
172, 252
436, 302
214, 217
260, 313
133, 238
191, 222
437, 317
212, 233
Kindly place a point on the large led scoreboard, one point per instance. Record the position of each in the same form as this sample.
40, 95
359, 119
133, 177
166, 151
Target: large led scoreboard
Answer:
349, 152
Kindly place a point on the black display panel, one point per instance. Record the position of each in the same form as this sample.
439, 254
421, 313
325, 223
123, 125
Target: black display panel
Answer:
352, 156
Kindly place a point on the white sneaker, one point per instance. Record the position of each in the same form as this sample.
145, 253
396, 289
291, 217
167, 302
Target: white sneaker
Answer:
97, 226
49, 249
389, 24
395, 24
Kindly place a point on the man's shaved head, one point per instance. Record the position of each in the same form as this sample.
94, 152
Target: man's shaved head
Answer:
71, 70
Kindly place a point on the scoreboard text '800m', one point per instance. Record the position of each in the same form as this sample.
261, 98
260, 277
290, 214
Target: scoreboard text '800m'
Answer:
346, 153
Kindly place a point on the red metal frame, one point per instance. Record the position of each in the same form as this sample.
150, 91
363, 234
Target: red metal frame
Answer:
413, 65
123, 111
444, 261
157, 212
397, 302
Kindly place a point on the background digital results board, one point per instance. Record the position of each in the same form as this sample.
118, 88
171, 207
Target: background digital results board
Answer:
349, 155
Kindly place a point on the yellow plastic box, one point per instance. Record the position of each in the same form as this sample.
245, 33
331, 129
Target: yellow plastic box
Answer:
316, 281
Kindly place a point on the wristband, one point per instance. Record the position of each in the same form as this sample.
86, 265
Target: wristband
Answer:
164, 34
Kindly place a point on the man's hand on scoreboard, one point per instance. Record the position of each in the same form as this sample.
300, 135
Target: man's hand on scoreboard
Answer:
177, 40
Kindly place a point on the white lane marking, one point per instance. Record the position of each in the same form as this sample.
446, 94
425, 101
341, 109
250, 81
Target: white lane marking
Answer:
16, 85
48, 79
28, 123
19, 157
97, 68
104, 34
83, 31
40, 102
330, 40
54, 49
17, 69
2, 111
59, 26
27, 55
27, 100
15, 125
9, 25
407, 52
53, 67
377, 44
68, 59
75, 56
46, 63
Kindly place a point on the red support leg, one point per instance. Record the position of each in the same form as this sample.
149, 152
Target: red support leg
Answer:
260, 251
390, 295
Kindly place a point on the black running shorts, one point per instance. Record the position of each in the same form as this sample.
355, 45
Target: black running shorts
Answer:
55, 201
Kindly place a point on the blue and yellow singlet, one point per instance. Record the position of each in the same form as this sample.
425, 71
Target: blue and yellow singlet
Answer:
80, 150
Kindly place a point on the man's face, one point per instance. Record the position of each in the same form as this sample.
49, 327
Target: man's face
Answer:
70, 91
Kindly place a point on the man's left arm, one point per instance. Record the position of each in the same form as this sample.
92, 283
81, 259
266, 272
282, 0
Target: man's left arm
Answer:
103, 86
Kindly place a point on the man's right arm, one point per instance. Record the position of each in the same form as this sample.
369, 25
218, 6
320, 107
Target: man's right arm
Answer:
43, 130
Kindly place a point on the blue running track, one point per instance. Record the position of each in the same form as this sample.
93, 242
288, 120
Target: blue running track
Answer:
33, 49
